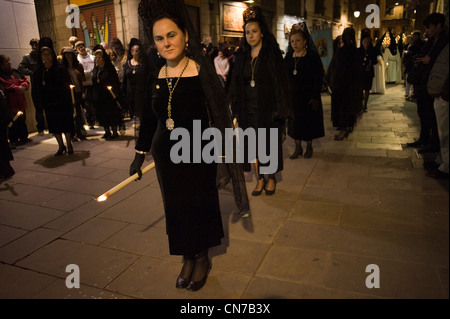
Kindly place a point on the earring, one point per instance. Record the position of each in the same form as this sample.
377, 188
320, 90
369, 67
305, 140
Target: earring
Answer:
187, 46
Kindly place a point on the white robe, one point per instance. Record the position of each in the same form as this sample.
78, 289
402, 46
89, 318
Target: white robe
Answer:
379, 81
394, 66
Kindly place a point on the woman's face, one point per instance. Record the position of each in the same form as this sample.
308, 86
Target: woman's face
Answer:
366, 43
135, 51
47, 58
298, 42
170, 41
99, 60
253, 34
68, 56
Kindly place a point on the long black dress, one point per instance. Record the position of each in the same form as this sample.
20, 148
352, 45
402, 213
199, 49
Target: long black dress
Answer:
53, 87
189, 192
306, 85
107, 111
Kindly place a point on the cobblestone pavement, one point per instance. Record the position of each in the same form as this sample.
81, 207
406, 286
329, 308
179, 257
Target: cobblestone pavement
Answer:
357, 202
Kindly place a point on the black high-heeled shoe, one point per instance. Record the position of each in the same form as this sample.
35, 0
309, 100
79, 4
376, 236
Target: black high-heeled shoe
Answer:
189, 261
309, 151
197, 285
258, 192
340, 137
271, 192
69, 149
298, 152
61, 150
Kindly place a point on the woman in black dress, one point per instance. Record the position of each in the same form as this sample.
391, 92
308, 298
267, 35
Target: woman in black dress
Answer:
368, 58
184, 88
259, 92
306, 73
346, 85
53, 87
107, 110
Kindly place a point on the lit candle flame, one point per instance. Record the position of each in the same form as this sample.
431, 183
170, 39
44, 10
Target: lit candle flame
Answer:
72, 86
102, 198
19, 113
124, 183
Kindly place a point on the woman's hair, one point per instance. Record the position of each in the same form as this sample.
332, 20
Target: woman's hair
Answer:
132, 43
75, 61
349, 37
298, 31
117, 46
3, 58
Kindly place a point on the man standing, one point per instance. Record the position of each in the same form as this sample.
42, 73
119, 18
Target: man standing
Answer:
29, 64
437, 40
87, 60
438, 88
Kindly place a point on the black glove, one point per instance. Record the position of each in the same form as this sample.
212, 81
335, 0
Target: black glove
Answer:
135, 167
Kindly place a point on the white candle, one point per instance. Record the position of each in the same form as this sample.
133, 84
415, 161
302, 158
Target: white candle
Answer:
112, 93
15, 118
71, 92
121, 185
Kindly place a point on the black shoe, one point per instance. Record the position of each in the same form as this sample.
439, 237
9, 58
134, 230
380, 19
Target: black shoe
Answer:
341, 136
115, 135
436, 173
297, 153
197, 285
61, 150
69, 149
271, 192
365, 110
417, 143
258, 192
186, 271
309, 152
107, 135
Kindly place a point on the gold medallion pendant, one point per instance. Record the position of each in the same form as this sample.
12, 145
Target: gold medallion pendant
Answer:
170, 124
295, 72
252, 83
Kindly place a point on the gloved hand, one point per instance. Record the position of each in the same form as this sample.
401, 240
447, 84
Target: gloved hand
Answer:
135, 166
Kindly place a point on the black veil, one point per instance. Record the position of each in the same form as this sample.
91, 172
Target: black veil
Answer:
215, 95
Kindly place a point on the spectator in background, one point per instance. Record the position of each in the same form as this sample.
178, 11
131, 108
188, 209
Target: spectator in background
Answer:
87, 60
222, 66
27, 66
72, 41
412, 52
15, 84
437, 39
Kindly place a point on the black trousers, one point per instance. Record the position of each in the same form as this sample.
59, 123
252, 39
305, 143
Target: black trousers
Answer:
428, 125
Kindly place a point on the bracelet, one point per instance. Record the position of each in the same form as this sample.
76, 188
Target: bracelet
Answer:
141, 152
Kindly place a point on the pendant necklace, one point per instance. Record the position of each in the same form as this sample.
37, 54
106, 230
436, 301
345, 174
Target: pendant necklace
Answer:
295, 65
253, 65
170, 124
